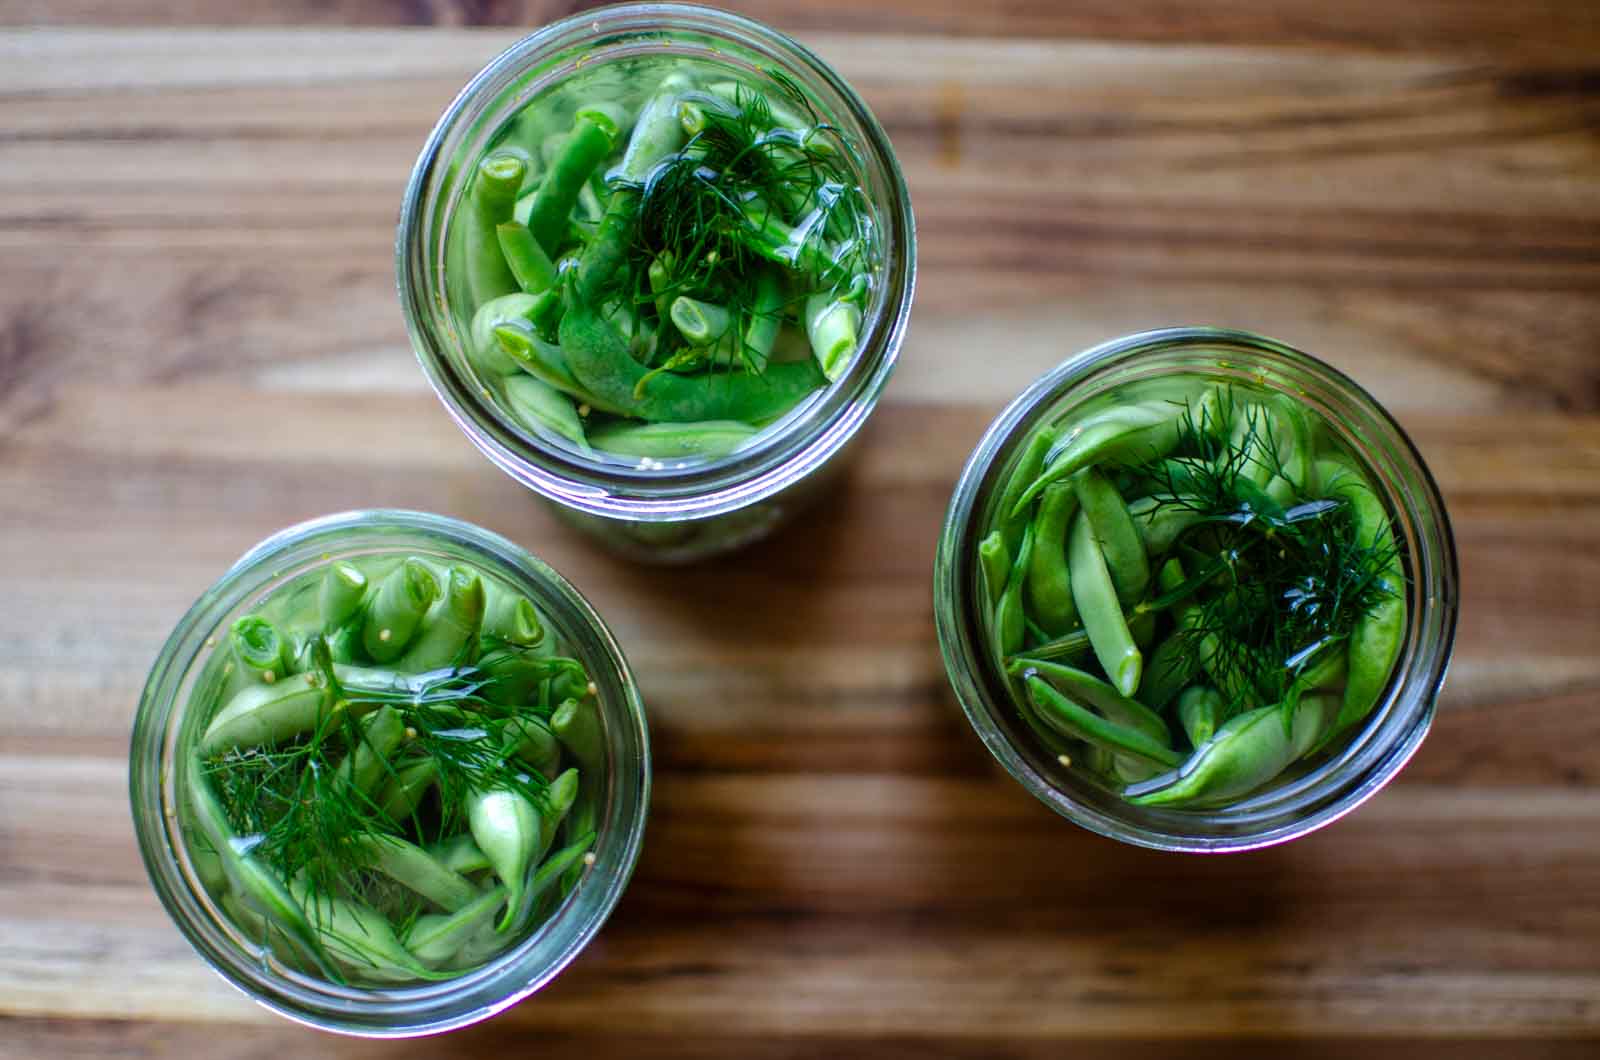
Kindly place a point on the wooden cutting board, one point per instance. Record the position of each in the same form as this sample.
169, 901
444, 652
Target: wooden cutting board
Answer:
200, 343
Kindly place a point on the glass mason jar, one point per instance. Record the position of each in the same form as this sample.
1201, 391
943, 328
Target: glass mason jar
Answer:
690, 509
166, 727
1314, 792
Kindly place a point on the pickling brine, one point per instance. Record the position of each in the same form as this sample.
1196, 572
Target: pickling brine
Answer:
390, 771
1191, 587
661, 256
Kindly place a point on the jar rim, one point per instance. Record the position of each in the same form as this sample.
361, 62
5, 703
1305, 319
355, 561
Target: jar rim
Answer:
801, 441
400, 1011
1329, 789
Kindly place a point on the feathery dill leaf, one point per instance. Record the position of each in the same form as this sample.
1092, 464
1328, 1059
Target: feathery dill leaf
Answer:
1287, 581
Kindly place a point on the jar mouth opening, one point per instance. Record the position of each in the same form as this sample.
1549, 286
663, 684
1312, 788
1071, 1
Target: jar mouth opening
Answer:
701, 488
158, 749
1304, 800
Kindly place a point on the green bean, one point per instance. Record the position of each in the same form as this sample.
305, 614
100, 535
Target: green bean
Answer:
1099, 609
511, 618
530, 266
608, 250
1198, 710
460, 854
712, 438
538, 404
263, 714
1089, 691
260, 649
512, 676
381, 732
1174, 663
1009, 627
1117, 434
398, 604
255, 884
1114, 531
404, 792
1377, 636
449, 631
1247, 752
1160, 519
436, 939
700, 323
358, 935
994, 562
411, 866
576, 723
534, 743
491, 200
587, 147
1078, 722
505, 825
833, 326
487, 350
1049, 580
1073, 646
766, 320
544, 361
598, 357
656, 134
343, 590
1012, 516
566, 863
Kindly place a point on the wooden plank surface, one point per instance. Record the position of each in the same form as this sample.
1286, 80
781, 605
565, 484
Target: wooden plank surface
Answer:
200, 343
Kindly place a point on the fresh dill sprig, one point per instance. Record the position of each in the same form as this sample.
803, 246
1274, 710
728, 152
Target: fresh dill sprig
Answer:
292, 809
1285, 582
707, 212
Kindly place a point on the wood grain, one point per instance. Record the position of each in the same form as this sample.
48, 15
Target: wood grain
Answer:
200, 343
1548, 28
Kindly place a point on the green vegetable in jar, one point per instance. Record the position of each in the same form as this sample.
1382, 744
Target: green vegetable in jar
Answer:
389, 817
1201, 564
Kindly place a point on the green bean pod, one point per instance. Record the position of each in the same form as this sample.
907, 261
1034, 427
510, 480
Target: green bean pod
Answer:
359, 936
538, 404
1049, 579
1199, 709
1119, 434
1010, 627
340, 596
263, 715
511, 618
1160, 519
586, 148
1074, 720
505, 825
1377, 636
1013, 517
598, 356
260, 650
994, 562
1113, 529
436, 939
412, 867
460, 854
402, 793
708, 439
367, 764
449, 632
535, 743
1248, 751
1101, 612
398, 604
833, 325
